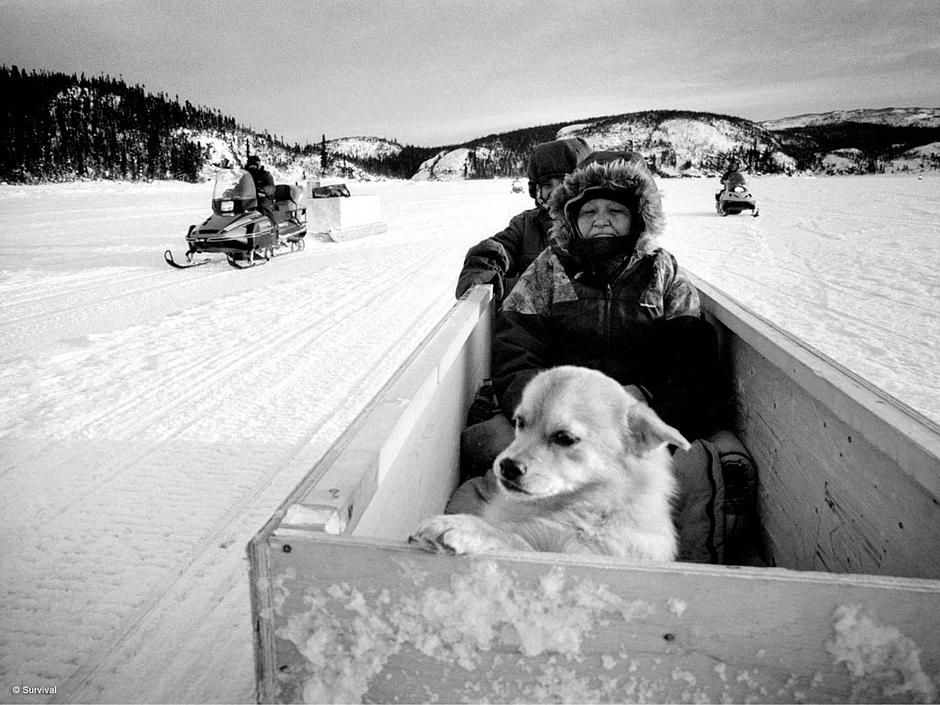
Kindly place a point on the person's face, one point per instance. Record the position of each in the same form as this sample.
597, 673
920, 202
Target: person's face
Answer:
601, 217
545, 189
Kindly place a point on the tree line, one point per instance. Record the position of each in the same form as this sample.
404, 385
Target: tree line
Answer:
879, 143
56, 127
61, 127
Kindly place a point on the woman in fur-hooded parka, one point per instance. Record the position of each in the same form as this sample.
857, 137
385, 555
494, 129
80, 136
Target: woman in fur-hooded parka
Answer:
621, 306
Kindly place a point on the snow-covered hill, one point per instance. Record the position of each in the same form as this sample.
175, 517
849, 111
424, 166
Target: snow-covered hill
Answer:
450, 165
102, 128
898, 117
363, 147
674, 143
483, 160
677, 142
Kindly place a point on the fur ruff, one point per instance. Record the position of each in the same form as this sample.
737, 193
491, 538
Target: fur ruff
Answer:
619, 174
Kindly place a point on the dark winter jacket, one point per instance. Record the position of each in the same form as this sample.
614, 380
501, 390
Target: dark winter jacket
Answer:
732, 178
637, 320
264, 182
501, 259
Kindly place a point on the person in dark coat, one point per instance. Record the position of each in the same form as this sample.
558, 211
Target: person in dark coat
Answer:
499, 260
264, 183
606, 295
732, 176
603, 295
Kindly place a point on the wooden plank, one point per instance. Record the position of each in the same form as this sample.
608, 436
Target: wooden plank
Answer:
391, 436
849, 478
423, 469
829, 499
371, 621
444, 368
908, 438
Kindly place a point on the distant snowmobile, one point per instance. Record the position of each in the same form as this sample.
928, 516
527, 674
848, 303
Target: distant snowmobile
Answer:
735, 197
244, 231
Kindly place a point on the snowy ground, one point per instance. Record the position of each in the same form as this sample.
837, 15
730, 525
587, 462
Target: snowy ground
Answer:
151, 420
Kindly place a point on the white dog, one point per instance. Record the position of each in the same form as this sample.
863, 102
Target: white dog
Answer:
589, 471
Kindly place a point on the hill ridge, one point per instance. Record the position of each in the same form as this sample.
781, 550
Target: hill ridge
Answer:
64, 127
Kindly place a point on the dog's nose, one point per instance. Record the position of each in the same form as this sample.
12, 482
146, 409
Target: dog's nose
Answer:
510, 470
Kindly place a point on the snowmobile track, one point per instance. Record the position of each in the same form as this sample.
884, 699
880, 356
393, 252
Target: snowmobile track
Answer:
211, 373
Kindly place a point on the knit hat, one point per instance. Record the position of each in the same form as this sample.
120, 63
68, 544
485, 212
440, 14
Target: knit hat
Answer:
552, 160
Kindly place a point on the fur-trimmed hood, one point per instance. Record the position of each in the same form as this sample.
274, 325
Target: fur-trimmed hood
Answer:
632, 176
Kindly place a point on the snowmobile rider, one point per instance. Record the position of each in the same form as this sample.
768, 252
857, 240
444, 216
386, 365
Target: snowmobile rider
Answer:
264, 183
732, 176
499, 260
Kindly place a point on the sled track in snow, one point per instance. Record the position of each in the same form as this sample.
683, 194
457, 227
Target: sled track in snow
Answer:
207, 374
122, 475
246, 516
87, 291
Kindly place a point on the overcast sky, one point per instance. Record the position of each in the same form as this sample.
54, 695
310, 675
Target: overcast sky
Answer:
438, 72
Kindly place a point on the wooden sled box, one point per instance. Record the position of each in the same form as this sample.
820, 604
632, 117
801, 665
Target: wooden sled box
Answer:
345, 611
345, 217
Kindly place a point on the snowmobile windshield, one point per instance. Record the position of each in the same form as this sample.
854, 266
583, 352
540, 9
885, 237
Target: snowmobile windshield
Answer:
234, 185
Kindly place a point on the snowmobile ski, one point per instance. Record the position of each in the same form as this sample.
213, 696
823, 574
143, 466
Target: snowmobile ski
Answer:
190, 263
247, 260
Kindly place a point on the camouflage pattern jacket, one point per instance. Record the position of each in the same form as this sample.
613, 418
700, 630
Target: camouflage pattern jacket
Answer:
639, 322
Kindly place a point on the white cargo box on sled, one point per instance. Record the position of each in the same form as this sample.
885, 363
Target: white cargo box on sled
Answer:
345, 611
345, 217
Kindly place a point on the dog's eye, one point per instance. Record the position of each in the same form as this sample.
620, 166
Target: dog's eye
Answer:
520, 423
564, 438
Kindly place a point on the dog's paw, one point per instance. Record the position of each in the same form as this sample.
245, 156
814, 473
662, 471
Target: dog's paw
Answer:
454, 534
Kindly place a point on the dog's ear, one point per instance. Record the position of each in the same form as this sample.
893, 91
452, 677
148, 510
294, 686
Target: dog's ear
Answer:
647, 431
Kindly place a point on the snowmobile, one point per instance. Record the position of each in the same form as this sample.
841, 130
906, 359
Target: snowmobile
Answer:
734, 198
246, 226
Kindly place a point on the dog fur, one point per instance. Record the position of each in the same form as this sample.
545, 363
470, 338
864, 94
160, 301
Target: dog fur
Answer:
589, 471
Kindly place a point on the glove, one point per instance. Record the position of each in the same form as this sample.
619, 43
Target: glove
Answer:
470, 277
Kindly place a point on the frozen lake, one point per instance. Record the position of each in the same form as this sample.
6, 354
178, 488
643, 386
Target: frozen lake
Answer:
151, 419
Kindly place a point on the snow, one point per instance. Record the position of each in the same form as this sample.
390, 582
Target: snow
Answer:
883, 663
445, 166
363, 147
151, 420
912, 117
690, 139
347, 637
